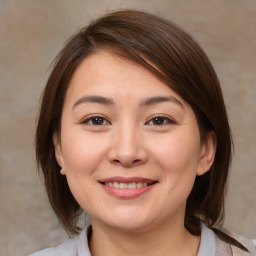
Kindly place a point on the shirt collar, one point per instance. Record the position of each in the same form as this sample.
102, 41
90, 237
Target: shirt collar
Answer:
207, 243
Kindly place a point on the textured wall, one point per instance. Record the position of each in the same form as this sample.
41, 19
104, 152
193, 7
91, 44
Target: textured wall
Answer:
31, 34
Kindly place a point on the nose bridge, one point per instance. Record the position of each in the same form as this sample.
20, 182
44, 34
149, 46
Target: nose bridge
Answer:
127, 138
127, 148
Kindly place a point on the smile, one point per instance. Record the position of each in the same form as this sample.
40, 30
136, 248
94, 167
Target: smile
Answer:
121, 185
127, 188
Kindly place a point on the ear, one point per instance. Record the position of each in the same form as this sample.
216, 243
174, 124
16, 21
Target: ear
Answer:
207, 153
58, 152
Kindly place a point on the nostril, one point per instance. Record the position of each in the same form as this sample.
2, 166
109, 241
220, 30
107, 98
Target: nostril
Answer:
126, 162
127, 158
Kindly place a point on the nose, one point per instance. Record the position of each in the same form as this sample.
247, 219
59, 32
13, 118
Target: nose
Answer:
127, 147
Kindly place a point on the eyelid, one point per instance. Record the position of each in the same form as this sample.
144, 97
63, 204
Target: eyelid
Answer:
86, 119
170, 119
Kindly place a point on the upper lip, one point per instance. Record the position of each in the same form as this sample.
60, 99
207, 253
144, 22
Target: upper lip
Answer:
127, 180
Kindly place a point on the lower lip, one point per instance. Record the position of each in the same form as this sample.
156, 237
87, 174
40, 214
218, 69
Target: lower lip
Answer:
127, 193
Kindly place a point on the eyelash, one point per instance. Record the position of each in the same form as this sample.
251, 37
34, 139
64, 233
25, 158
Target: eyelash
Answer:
166, 120
104, 121
91, 119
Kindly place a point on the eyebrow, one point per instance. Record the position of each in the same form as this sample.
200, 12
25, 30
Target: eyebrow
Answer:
94, 99
109, 101
161, 99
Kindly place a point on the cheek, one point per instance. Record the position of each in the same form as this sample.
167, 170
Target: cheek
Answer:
178, 156
178, 161
82, 154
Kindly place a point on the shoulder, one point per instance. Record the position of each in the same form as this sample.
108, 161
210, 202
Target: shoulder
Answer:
230, 243
70, 247
67, 248
248, 243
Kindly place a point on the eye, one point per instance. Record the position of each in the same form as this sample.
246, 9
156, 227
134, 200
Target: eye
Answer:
96, 120
160, 120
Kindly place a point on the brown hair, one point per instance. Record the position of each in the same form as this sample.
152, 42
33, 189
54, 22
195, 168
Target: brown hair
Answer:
174, 57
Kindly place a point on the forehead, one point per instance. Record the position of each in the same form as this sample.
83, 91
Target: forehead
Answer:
109, 74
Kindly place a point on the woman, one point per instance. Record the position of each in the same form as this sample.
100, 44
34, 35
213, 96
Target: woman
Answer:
133, 130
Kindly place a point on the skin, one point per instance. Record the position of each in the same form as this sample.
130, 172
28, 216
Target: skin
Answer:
128, 141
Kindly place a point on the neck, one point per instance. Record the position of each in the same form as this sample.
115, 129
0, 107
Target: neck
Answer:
167, 239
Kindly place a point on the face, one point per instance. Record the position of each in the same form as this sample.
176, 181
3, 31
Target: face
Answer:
129, 145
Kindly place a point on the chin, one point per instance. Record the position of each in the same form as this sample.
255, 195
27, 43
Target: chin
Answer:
129, 222
130, 226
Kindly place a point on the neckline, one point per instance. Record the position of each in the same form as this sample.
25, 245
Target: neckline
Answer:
207, 244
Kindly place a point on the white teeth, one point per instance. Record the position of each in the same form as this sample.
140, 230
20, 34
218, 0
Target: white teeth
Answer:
123, 185
116, 185
131, 185
139, 185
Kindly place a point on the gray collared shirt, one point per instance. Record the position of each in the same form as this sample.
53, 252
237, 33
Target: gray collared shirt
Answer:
79, 246
208, 243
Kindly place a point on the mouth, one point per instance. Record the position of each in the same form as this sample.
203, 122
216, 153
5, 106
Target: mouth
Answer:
130, 185
127, 188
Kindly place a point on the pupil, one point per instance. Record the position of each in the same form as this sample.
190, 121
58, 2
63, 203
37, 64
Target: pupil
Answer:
158, 120
97, 120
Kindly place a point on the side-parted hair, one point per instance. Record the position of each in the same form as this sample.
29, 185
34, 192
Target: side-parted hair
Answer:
175, 58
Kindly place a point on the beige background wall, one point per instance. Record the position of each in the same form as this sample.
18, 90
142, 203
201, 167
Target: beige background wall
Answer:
32, 32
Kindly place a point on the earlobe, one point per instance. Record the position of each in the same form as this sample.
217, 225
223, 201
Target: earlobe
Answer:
58, 152
62, 171
208, 150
